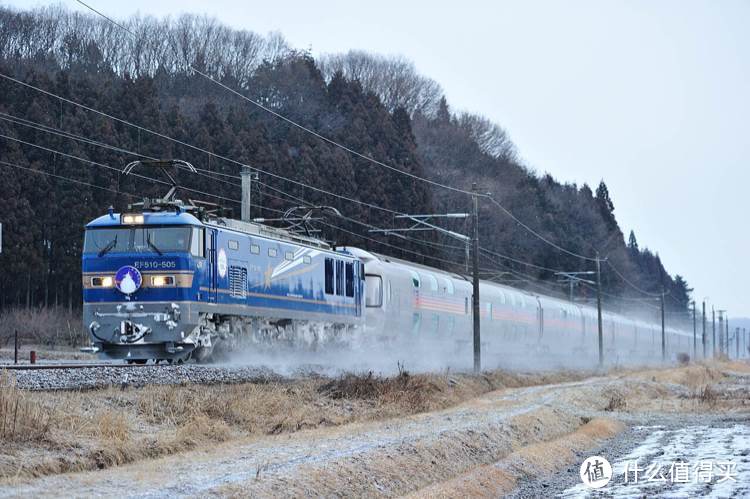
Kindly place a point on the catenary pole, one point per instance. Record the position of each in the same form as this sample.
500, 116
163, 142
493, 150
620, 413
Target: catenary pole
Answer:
475, 282
599, 308
704, 329
713, 330
663, 336
695, 334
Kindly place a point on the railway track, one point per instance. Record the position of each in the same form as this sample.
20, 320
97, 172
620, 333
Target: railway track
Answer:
91, 375
38, 367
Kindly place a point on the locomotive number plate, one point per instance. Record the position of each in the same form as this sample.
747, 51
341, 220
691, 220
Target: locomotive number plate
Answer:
156, 264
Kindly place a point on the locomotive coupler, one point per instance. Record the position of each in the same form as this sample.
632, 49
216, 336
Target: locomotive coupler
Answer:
130, 332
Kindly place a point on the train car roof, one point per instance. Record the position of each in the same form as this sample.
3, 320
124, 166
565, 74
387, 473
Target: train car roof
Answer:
149, 218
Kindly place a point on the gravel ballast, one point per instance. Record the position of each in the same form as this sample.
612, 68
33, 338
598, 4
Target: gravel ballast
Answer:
102, 377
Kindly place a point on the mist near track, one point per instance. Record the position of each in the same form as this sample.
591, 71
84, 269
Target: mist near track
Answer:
425, 353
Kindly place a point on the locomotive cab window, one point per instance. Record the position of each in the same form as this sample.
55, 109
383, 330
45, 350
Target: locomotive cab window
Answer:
272, 252
143, 239
289, 255
254, 249
233, 244
373, 291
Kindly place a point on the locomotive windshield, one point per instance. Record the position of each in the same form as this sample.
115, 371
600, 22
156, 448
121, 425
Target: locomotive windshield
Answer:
138, 240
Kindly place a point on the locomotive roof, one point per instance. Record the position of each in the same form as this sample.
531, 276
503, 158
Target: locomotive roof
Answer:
158, 218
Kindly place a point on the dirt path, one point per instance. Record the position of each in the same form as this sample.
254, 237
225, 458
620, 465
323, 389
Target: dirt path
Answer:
428, 452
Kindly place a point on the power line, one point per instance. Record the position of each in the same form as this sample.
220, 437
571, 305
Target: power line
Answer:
630, 283
294, 123
86, 140
102, 165
200, 149
521, 262
66, 134
70, 135
536, 234
270, 174
62, 177
291, 197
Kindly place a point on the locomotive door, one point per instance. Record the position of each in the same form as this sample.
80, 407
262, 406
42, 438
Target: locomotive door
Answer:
211, 251
359, 283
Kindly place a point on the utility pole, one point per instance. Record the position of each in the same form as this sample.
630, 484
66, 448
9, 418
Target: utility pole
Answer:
704, 329
695, 334
599, 308
726, 334
422, 223
475, 282
721, 331
247, 176
573, 278
737, 341
713, 330
663, 336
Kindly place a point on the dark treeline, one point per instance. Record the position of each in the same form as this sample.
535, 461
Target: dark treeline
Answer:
377, 106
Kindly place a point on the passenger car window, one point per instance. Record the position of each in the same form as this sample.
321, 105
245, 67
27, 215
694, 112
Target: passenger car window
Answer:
340, 278
433, 283
350, 279
329, 276
449, 289
415, 279
374, 291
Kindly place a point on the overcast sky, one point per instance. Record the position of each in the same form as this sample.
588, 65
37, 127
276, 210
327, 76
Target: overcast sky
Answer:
651, 96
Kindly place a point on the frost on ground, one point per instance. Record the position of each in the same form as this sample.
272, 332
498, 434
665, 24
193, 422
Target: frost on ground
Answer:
431, 436
693, 461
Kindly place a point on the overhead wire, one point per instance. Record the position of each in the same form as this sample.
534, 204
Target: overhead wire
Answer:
290, 121
200, 149
102, 165
536, 234
619, 274
330, 141
347, 149
63, 177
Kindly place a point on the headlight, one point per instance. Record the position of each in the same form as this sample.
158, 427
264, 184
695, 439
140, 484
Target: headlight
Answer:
102, 282
160, 281
132, 219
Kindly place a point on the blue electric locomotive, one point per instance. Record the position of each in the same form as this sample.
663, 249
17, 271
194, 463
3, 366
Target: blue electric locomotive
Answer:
171, 282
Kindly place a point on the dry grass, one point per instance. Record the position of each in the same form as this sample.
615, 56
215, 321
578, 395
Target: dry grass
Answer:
72, 431
76, 431
52, 326
22, 419
616, 402
706, 395
534, 460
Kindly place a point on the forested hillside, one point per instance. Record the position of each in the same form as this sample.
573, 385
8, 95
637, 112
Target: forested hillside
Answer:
379, 107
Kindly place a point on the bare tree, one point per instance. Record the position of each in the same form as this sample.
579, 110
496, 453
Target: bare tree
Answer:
394, 80
491, 137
